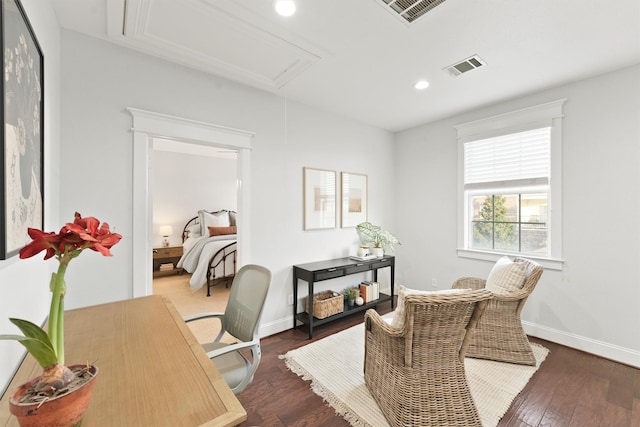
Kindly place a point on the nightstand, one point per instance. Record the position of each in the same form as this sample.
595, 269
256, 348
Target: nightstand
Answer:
165, 260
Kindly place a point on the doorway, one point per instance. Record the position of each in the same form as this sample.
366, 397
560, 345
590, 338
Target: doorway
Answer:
149, 125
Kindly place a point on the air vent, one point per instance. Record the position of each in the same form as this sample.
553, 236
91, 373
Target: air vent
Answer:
409, 10
466, 65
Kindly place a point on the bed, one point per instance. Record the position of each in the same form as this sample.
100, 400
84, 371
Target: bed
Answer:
209, 242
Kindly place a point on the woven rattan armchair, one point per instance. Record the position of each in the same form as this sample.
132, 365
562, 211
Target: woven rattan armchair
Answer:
499, 334
416, 372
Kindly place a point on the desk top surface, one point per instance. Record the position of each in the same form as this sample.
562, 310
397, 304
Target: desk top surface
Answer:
338, 262
153, 372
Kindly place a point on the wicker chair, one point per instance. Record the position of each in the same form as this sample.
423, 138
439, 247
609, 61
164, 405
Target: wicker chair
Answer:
416, 372
499, 334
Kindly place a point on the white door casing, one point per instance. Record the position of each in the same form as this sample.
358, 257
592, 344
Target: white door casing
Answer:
148, 125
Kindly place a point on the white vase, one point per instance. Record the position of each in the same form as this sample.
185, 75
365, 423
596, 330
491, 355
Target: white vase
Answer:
379, 252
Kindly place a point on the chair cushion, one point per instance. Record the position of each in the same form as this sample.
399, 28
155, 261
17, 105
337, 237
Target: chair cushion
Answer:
506, 276
398, 315
233, 366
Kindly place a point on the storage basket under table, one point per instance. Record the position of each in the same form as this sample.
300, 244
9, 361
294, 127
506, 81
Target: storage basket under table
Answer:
325, 304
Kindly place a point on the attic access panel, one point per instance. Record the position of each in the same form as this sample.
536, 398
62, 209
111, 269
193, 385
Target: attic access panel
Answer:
410, 10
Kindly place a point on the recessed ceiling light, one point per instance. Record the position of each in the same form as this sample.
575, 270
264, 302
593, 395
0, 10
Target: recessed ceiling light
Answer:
285, 7
421, 84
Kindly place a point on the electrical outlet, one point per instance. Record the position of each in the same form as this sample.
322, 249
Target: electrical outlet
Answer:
434, 283
290, 299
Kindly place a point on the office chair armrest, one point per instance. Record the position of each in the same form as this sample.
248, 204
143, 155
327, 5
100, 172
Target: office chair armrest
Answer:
200, 316
231, 347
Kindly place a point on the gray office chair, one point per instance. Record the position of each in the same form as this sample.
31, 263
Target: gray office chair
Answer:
241, 319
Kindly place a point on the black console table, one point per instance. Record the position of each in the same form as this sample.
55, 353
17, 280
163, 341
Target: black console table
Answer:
331, 269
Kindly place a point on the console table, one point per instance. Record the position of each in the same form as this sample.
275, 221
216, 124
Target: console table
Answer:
331, 269
152, 372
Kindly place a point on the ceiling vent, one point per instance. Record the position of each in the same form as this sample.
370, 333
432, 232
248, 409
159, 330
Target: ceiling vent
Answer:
409, 10
466, 65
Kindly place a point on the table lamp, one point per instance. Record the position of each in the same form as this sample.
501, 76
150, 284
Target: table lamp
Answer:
165, 231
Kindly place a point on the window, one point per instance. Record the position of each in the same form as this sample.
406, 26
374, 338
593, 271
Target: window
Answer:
506, 182
509, 180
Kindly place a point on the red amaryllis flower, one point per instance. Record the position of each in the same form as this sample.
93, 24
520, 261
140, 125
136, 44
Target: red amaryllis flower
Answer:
48, 346
93, 235
41, 241
83, 233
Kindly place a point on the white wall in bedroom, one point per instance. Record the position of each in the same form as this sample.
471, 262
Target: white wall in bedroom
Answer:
185, 183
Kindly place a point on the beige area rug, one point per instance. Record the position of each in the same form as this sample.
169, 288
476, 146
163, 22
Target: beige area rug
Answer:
334, 365
188, 301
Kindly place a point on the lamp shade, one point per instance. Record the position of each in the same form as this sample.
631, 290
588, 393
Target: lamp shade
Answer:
166, 230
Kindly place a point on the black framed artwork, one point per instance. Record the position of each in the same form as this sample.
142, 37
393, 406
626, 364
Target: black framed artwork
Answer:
22, 155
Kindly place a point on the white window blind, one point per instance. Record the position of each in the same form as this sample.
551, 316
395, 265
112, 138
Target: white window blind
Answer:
516, 157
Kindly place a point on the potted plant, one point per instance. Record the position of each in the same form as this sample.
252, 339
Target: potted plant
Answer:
49, 399
350, 295
374, 235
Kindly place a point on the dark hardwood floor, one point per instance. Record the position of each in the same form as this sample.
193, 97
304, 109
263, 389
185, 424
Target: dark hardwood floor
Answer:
571, 388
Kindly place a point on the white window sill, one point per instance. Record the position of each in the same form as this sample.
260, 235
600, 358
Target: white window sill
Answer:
547, 263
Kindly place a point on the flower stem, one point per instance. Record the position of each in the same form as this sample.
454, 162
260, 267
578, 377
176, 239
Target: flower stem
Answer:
56, 315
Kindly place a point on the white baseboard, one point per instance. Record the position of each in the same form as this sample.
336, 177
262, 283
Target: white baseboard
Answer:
589, 345
276, 326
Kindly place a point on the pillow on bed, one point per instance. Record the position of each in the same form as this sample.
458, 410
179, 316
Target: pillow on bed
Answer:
219, 219
232, 218
221, 231
194, 230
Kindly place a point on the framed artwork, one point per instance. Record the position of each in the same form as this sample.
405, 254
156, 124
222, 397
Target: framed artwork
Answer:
21, 166
319, 199
354, 199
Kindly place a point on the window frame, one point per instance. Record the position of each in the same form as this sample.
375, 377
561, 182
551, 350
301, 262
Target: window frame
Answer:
544, 115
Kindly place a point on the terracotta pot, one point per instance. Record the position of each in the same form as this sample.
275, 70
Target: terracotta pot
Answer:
66, 410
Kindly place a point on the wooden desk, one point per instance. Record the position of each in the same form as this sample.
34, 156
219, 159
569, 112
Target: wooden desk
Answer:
153, 372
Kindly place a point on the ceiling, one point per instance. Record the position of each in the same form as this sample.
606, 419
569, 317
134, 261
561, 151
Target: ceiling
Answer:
356, 58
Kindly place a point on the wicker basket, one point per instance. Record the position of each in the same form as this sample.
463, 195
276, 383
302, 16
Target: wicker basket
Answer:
325, 304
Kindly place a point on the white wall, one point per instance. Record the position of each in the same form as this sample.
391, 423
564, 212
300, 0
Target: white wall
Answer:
594, 303
24, 284
97, 89
185, 183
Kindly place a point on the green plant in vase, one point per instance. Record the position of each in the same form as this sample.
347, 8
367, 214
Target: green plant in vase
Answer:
381, 240
350, 295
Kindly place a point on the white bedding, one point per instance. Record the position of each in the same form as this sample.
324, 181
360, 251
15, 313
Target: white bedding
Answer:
197, 256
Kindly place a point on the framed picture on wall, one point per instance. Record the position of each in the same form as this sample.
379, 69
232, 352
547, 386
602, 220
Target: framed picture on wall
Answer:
319, 199
22, 186
354, 199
